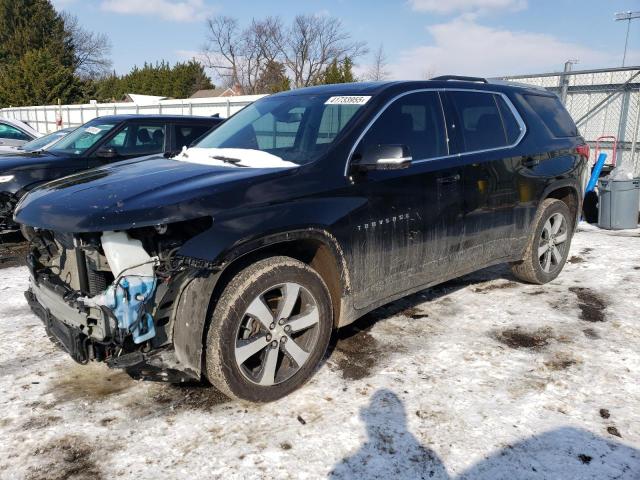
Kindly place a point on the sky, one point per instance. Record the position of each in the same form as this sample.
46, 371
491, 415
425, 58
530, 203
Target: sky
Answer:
420, 38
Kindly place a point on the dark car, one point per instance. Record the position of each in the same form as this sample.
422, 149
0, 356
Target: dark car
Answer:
102, 141
234, 261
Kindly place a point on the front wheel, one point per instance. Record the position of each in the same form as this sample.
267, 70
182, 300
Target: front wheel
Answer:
549, 243
269, 330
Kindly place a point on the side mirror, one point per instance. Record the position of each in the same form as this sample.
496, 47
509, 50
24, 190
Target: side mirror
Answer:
383, 157
107, 153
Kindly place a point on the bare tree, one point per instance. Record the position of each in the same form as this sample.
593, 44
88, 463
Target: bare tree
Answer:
306, 49
238, 56
378, 70
312, 43
429, 73
92, 50
221, 52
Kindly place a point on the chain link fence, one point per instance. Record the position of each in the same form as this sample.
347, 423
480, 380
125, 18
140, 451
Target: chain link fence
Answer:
603, 103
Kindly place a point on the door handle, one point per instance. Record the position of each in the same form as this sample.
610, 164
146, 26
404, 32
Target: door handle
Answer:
450, 179
530, 162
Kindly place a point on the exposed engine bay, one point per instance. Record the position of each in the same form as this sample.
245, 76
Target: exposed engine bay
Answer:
108, 296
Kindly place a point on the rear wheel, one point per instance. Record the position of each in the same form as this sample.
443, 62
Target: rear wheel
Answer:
549, 243
269, 330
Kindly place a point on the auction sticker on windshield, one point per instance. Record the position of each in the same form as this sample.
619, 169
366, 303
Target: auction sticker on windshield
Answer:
348, 100
93, 130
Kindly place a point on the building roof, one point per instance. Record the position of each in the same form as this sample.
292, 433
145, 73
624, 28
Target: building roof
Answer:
143, 99
217, 92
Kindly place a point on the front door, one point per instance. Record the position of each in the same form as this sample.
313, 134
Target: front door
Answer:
134, 139
410, 224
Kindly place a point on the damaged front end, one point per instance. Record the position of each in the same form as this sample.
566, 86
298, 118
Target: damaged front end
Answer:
111, 296
8, 202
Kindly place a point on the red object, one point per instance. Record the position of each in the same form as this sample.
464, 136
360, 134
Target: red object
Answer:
615, 147
583, 151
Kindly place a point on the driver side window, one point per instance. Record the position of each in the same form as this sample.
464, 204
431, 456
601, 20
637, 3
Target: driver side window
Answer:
414, 120
138, 140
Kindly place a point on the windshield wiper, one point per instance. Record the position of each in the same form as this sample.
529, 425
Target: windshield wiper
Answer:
231, 160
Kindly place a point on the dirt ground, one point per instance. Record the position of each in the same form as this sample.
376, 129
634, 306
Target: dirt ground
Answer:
482, 377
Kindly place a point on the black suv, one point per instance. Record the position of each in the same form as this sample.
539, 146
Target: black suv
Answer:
101, 141
234, 260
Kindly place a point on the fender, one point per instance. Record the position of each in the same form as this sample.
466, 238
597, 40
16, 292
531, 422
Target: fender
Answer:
194, 301
227, 241
326, 219
574, 185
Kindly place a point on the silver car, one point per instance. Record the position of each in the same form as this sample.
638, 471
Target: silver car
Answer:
14, 133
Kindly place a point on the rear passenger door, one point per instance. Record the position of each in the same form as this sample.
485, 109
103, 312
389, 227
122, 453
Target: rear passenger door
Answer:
483, 128
184, 135
407, 232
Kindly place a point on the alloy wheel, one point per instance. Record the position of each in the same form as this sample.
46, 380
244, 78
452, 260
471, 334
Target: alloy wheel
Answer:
278, 332
553, 243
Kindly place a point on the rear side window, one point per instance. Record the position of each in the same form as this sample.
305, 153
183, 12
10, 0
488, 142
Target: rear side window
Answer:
480, 122
413, 120
554, 115
185, 135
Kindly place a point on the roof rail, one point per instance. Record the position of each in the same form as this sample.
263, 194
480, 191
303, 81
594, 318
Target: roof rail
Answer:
460, 78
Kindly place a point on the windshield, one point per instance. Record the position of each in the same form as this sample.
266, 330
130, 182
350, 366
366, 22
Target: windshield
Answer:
82, 139
42, 142
295, 128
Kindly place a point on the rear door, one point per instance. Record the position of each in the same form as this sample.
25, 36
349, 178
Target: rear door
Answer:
185, 134
484, 129
407, 232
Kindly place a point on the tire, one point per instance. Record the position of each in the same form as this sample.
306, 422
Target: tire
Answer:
241, 344
541, 263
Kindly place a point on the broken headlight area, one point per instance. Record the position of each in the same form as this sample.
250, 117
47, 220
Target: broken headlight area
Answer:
8, 203
108, 296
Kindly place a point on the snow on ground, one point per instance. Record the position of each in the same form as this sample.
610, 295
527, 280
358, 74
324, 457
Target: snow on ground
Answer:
483, 377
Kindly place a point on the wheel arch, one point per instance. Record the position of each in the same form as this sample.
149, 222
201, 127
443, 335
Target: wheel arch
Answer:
568, 193
314, 247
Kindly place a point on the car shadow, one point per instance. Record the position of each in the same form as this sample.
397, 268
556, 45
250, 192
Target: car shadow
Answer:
391, 451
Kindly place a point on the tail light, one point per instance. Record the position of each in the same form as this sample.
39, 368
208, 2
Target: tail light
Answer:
583, 150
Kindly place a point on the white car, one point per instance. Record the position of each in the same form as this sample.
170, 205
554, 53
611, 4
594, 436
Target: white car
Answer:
14, 133
38, 144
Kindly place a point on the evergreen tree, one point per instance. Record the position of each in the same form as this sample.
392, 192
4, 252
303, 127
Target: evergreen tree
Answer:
273, 79
338, 72
180, 81
38, 79
37, 60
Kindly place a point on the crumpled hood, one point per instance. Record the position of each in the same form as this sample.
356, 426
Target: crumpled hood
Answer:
140, 192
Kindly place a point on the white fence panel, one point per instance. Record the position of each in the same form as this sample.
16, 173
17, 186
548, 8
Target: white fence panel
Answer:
43, 118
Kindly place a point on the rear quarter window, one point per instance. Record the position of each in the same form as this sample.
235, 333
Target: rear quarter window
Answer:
553, 114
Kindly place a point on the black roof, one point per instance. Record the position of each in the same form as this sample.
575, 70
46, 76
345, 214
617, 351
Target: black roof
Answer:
180, 118
374, 88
